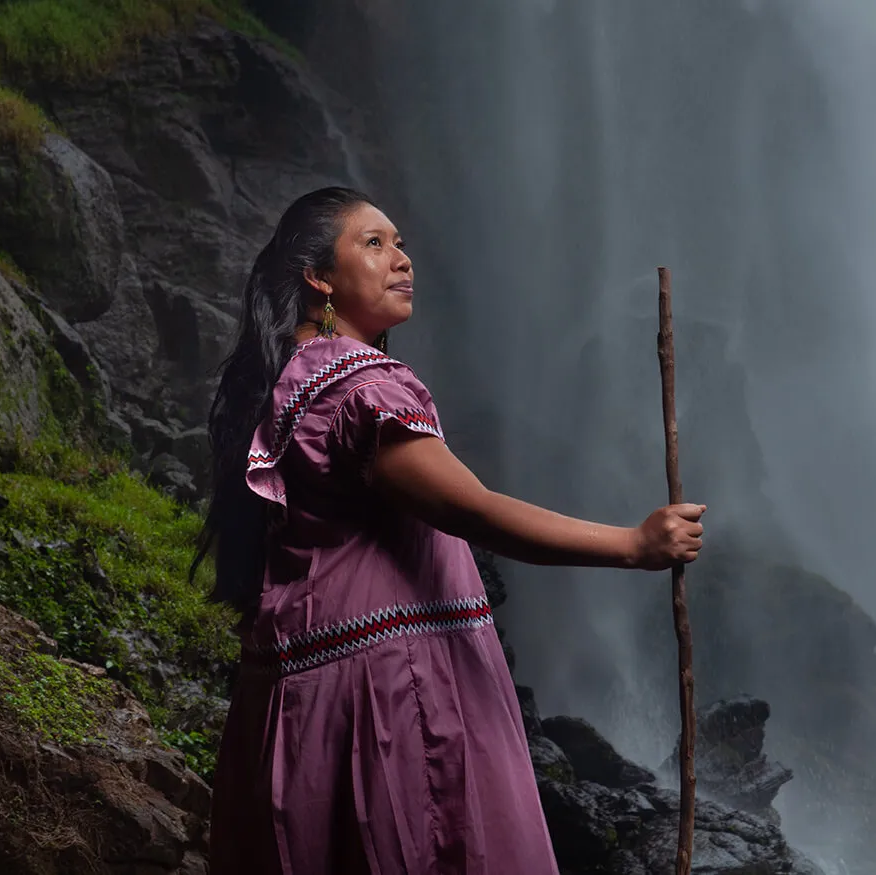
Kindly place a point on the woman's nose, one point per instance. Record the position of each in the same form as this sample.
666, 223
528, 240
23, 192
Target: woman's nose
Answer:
402, 261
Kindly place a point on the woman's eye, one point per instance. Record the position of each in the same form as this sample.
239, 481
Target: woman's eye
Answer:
374, 241
401, 244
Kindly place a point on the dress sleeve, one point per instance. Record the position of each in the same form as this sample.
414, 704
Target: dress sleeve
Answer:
263, 475
365, 411
288, 421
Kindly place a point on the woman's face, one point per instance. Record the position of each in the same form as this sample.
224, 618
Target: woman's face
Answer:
372, 283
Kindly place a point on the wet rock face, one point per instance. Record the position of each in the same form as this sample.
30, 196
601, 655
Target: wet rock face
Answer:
207, 138
140, 225
607, 814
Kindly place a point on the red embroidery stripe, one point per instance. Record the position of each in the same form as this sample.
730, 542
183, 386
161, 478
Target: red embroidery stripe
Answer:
327, 644
296, 405
413, 418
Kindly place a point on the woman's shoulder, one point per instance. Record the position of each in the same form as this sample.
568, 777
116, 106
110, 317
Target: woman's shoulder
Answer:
328, 365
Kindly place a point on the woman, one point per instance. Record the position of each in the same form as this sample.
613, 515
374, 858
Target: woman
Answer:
374, 726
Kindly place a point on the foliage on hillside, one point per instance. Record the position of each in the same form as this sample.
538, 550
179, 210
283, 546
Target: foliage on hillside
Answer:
46, 40
99, 559
50, 39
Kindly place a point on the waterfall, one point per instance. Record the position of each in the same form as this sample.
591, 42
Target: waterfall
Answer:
553, 153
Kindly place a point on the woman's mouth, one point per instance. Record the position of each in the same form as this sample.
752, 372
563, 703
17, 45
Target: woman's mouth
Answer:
406, 288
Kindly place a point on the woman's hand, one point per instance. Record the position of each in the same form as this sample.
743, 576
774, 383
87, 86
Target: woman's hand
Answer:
670, 536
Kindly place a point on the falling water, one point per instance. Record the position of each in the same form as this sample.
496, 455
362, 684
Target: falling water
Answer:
553, 152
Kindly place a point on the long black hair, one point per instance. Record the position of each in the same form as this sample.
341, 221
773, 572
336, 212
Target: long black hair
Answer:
273, 306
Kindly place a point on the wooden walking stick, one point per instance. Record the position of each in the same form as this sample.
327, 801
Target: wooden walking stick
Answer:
666, 353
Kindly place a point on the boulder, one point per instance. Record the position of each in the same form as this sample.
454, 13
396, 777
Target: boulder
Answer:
634, 831
124, 338
606, 814
730, 763
592, 757
173, 476
550, 761
60, 220
75, 354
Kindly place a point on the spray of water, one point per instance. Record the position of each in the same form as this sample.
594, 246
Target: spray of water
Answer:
553, 153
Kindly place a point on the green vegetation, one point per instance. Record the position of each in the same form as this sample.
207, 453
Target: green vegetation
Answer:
76, 39
200, 750
99, 560
8, 267
52, 699
71, 39
22, 124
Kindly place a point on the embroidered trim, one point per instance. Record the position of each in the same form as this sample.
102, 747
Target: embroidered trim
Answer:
297, 404
415, 419
330, 643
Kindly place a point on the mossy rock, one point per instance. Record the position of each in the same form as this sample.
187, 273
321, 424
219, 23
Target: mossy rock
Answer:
79, 39
39, 395
57, 701
22, 342
23, 125
84, 779
60, 221
100, 559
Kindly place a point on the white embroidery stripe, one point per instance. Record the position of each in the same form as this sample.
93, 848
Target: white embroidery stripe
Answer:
424, 424
298, 403
317, 648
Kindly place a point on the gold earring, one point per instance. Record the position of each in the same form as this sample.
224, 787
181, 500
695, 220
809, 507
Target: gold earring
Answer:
381, 341
327, 329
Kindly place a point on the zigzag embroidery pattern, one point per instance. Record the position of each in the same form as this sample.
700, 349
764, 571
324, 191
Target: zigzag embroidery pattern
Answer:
319, 646
298, 402
417, 420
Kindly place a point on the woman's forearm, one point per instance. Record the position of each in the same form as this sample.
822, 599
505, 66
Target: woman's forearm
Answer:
531, 534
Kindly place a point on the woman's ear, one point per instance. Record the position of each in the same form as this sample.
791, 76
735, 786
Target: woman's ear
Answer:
313, 280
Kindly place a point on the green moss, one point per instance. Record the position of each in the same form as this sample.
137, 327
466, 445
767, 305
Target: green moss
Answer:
74, 38
8, 267
559, 773
59, 702
22, 126
121, 568
100, 559
61, 393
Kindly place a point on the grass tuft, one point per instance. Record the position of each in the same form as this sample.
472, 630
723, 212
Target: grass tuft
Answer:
22, 124
72, 39
8, 266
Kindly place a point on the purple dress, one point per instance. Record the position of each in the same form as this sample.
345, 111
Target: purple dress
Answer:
374, 727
